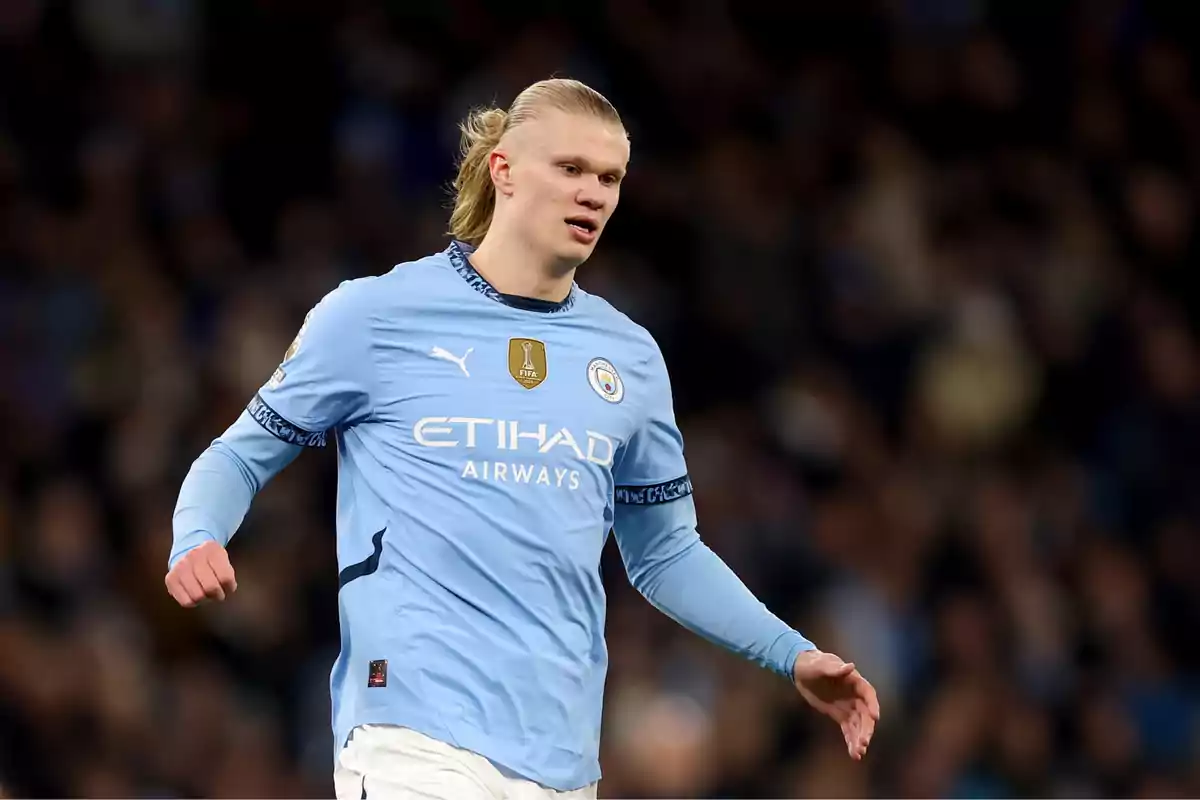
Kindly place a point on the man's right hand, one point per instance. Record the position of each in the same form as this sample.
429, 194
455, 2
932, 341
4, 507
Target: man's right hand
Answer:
204, 573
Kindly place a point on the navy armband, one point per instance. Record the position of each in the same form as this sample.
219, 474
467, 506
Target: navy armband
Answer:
280, 428
653, 495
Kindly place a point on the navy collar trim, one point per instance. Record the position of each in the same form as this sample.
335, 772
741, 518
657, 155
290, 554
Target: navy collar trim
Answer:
459, 254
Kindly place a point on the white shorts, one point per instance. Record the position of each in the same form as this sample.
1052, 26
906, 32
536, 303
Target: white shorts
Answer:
387, 762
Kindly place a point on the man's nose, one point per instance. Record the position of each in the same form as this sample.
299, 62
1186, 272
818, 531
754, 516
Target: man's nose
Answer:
591, 197
591, 194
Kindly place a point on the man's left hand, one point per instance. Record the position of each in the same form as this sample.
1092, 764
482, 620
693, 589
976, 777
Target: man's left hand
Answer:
840, 692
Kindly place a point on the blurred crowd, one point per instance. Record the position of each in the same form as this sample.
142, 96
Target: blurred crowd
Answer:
924, 272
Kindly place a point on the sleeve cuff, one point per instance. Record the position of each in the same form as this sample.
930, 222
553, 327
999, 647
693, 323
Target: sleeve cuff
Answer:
184, 544
785, 651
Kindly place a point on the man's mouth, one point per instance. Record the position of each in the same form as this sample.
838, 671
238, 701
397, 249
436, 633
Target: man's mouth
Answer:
582, 224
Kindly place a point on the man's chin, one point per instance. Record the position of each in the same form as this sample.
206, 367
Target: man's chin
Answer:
574, 254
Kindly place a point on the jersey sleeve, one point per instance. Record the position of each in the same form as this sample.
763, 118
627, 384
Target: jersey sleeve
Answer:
327, 376
655, 525
652, 468
222, 483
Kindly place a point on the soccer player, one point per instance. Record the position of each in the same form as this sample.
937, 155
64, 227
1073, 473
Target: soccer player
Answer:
493, 422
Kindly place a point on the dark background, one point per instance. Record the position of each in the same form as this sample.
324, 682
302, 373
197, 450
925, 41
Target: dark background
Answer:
924, 273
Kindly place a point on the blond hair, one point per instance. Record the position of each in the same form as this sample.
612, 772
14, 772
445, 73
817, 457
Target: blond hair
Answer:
474, 192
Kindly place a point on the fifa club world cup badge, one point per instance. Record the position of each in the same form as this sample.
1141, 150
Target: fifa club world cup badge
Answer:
377, 674
527, 361
605, 380
278, 376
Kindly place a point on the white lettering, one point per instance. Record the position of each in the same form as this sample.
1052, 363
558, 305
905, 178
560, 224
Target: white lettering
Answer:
432, 425
564, 438
609, 449
465, 432
470, 422
521, 473
514, 436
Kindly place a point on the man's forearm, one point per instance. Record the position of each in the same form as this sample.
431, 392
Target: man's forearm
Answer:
222, 483
669, 564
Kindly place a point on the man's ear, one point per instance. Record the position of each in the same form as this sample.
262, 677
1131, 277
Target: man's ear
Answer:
501, 171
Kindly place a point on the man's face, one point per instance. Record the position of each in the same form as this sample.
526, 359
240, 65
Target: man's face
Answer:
561, 176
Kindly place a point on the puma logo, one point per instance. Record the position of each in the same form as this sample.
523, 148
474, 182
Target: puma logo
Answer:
446, 355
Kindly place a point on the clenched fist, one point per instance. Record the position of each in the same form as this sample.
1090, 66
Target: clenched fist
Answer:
204, 573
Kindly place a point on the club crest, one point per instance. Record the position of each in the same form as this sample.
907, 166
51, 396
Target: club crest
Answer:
605, 380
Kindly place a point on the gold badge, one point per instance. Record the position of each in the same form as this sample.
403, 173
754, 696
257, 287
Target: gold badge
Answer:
527, 361
295, 345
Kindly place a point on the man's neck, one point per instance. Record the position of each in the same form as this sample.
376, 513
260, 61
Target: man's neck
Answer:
512, 268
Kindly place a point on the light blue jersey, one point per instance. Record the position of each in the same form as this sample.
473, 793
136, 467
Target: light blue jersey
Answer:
487, 445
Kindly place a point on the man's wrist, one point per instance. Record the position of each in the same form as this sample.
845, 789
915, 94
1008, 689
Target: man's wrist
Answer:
796, 645
187, 543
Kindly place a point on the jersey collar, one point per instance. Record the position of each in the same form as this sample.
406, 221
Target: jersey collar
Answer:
459, 254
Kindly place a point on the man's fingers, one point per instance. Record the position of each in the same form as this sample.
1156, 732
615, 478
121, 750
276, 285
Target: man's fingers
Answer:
176, 592
217, 558
209, 581
815, 664
867, 711
866, 727
187, 584
830, 666
868, 719
850, 732
867, 692
857, 724
224, 572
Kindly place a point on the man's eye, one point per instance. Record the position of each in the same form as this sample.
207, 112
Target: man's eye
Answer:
570, 169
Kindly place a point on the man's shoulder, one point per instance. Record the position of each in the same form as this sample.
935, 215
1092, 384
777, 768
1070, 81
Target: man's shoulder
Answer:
407, 276
617, 322
640, 355
401, 281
